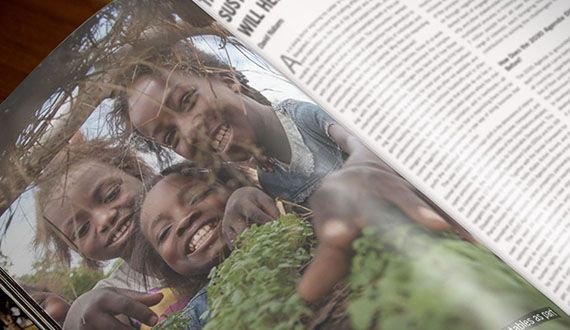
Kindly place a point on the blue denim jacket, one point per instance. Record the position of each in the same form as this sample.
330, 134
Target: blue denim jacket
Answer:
313, 153
197, 310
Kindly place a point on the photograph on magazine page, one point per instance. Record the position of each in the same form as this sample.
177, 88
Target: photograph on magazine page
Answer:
12, 317
158, 174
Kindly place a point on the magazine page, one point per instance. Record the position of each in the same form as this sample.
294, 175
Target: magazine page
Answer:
20, 311
11, 316
468, 100
157, 172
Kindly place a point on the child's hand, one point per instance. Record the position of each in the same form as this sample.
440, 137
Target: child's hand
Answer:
99, 309
245, 206
347, 201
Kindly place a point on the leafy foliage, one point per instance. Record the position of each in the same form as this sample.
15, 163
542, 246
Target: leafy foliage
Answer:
68, 282
402, 277
255, 287
174, 321
405, 278
5, 262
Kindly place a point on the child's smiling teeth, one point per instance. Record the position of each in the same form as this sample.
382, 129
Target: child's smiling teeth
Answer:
119, 233
201, 237
221, 138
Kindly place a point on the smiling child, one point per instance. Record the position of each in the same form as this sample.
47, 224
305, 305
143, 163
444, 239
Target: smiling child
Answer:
86, 204
191, 102
86, 199
182, 218
196, 105
182, 221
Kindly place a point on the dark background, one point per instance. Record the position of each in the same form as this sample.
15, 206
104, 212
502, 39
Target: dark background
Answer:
31, 29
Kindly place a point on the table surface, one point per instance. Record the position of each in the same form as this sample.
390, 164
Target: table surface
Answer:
31, 29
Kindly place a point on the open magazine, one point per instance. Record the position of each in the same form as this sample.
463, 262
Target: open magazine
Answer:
278, 164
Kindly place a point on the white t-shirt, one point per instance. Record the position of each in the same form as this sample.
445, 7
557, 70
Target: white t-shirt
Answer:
124, 277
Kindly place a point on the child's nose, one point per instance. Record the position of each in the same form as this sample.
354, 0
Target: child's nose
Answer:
192, 127
105, 219
187, 221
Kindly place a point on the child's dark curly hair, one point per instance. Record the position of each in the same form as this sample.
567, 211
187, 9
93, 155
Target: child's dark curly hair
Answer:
153, 58
146, 258
105, 151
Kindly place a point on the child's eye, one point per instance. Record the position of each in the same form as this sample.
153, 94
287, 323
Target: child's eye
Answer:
82, 231
112, 193
163, 234
186, 99
169, 138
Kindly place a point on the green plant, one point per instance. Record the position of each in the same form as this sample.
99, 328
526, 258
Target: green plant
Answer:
174, 321
70, 282
403, 277
254, 288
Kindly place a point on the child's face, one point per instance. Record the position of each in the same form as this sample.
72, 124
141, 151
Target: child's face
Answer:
181, 217
192, 115
93, 206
